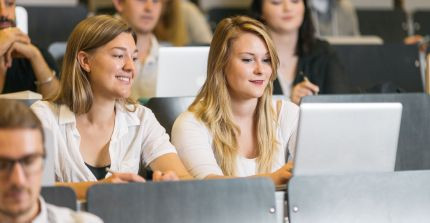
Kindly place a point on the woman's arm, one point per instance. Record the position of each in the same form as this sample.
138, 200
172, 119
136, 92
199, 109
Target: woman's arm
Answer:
170, 162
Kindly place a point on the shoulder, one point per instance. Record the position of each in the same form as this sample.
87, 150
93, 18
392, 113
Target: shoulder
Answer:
60, 214
289, 110
187, 119
45, 108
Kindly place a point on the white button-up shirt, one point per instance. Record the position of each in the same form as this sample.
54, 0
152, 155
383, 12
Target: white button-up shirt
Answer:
137, 138
53, 214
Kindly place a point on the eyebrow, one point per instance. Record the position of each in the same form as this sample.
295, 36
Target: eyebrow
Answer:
122, 48
253, 54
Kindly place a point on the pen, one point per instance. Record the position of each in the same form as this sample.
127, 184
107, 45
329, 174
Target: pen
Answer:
305, 77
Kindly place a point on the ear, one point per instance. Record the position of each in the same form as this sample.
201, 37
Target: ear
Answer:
84, 61
118, 5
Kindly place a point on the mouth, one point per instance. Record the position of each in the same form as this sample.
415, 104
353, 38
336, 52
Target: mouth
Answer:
123, 79
257, 82
4, 25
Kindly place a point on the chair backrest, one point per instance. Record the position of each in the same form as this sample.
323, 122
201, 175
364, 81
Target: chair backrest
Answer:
48, 24
215, 15
235, 200
390, 25
412, 148
370, 65
422, 22
21, 18
375, 198
60, 196
166, 110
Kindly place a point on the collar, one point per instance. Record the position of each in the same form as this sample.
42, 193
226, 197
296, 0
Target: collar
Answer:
42, 217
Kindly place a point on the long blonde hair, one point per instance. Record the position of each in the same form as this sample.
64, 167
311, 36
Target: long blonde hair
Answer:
89, 34
172, 27
212, 104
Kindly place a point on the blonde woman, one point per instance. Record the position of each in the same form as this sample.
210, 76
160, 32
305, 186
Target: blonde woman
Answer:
234, 128
95, 124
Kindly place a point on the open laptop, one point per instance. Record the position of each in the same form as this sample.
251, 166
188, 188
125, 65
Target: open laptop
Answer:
181, 71
341, 138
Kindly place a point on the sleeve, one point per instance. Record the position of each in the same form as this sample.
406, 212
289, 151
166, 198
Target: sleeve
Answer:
198, 28
194, 145
155, 142
336, 80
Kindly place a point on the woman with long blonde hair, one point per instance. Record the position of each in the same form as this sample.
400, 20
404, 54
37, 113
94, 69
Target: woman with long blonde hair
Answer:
233, 127
95, 124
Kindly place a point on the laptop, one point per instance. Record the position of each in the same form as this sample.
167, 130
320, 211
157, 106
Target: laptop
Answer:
344, 138
181, 71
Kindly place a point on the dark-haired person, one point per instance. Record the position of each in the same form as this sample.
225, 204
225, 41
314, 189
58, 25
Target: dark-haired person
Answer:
23, 66
95, 123
308, 65
21, 166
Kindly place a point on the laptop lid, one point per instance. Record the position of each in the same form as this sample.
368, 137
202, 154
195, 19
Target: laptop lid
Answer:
181, 71
337, 138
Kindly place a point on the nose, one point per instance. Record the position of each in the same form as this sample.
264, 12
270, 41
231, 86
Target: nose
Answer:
17, 175
129, 65
3, 11
286, 5
148, 5
258, 69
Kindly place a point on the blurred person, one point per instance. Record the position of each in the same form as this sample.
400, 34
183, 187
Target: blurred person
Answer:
308, 65
23, 66
22, 155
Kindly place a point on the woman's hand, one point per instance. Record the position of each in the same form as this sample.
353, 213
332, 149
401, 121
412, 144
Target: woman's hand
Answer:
166, 176
304, 88
123, 178
283, 174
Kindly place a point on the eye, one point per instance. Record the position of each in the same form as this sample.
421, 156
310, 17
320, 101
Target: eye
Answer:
267, 60
4, 164
247, 60
119, 56
10, 3
135, 59
276, 2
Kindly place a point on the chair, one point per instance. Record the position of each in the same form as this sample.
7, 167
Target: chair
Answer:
60, 196
385, 68
53, 24
21, 18
166, 110
422, 22
392, 197
250, 200
390, 25
215, 15
412, 148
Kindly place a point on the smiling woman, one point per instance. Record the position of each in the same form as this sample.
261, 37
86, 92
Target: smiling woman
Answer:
233, 128
95, 123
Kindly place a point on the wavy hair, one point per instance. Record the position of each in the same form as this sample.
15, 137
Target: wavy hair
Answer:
212, 104
88, 35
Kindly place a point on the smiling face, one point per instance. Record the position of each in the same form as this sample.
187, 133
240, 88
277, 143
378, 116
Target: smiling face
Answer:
142, 15
283, 16
249, 68
111, 67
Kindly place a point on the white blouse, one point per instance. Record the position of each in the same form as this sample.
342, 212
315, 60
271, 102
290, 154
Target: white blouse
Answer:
194, 143
137, 137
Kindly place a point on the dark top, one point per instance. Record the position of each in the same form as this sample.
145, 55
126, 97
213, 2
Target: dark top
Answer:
20, 77
323, 68
99, 172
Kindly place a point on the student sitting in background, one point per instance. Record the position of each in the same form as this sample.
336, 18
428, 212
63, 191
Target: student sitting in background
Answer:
233, 128
182, 23
22, 156
308, 66
95, 123
23, 66
142, 16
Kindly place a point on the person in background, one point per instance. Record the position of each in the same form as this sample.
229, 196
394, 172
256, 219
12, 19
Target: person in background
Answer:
182, 23
95, 124
234, 128
308, 65
142, 16
22, 156
334, 18
23, 66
